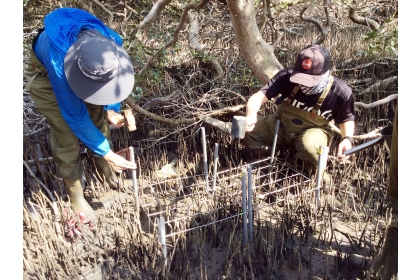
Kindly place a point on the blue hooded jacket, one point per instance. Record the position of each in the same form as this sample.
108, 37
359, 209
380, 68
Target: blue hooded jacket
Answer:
61, 29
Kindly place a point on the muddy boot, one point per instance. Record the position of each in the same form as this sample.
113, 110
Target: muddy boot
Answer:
77, 200
106, 174
387, 263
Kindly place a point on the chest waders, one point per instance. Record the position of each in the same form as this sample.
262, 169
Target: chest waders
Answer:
305, 128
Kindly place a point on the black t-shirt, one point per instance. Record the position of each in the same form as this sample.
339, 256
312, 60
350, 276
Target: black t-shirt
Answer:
338, 104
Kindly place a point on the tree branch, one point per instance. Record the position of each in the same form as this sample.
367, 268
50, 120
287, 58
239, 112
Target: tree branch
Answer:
174, 39
179, 121
379, 84
152, 16
376, 103
323, 31
361, 20
213, 63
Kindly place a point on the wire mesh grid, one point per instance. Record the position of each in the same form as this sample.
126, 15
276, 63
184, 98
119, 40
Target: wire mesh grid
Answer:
189, 204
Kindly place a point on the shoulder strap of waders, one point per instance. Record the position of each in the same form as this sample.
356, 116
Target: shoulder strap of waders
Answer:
323, 95
292, 94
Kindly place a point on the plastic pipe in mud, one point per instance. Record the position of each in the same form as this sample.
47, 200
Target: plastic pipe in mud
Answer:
244, 212
134, 176
206, 166
250, 214
322, 164
162, 238
273, 148
216, 158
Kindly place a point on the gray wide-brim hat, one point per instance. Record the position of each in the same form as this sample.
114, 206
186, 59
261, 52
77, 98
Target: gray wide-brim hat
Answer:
98, 70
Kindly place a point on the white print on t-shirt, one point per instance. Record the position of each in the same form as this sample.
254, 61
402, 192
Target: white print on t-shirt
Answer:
300, 105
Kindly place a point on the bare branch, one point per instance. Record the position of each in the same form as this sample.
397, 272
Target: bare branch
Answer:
181, 23
361, 20
364, 65
379, 84
376, 103
375, 133
323, 31
164, 99
152, 16
372, 134
213, 63
178, 121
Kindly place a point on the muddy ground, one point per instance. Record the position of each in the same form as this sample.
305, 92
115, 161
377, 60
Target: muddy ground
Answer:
291, 240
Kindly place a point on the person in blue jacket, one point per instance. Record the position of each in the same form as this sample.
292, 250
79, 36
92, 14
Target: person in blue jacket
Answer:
78, 73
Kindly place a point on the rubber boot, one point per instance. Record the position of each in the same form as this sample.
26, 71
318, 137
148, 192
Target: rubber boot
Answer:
77, 200
106, 174
387, 263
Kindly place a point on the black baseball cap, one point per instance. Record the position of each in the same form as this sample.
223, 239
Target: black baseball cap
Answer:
311, 63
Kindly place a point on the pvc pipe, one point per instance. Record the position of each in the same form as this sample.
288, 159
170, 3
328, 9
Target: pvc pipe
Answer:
322, 164
162, 237
273, 148
134, 177
40, 160
206, 167
250, 216
244, 214
216, 159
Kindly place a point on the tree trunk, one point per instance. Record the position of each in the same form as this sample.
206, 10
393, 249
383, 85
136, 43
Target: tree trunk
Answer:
258, 55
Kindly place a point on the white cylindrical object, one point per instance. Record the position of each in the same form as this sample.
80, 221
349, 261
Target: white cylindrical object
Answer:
134, 175
206, 166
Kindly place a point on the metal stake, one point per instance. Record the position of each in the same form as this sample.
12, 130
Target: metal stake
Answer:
322, 164
273, 148
134, 176
216, 159
206, 167
162, 238
250, 217
244, 211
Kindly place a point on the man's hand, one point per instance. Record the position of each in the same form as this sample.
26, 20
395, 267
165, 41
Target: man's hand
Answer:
250, 122
118, 163
114, 119
252, 107
346, 129
343, 146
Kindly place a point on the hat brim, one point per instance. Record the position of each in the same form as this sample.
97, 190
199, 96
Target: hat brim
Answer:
305, 79
99, 92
